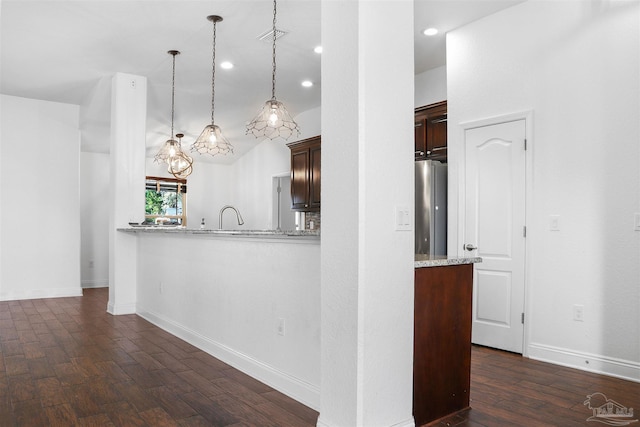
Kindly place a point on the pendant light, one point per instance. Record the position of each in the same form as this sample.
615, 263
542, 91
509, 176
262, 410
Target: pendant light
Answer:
273, 120
211, 141
180, 164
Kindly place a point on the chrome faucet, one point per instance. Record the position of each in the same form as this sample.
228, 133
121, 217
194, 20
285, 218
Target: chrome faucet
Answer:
240, 220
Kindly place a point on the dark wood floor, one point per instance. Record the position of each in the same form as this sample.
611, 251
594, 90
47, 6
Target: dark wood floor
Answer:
509, 390
66, 362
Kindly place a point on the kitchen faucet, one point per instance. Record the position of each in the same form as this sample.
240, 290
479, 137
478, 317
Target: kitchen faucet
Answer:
240, 220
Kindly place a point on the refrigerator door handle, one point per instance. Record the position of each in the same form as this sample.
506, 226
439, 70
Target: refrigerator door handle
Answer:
470, 247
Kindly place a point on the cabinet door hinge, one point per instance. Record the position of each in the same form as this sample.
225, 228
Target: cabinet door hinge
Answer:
522, 318
524, 231
525, 144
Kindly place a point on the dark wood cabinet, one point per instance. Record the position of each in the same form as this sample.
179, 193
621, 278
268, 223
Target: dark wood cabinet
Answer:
442, 341
305, 174
431, 132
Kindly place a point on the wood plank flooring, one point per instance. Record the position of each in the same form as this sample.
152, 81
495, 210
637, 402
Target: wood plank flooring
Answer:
66, 362
509, 390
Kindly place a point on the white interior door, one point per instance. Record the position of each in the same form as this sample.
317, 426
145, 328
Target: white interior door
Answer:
494, 230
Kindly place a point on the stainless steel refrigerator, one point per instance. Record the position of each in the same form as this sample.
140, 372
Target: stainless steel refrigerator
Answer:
431, 208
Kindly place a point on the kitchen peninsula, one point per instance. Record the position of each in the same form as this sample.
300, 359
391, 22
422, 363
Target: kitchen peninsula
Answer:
251, 299
248, 297
442, 336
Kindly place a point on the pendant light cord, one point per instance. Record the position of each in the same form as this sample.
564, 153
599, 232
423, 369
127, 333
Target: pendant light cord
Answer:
213, 73
173, 90
273, 56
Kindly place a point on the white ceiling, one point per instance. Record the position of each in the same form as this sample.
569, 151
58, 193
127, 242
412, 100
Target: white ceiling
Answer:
67, 50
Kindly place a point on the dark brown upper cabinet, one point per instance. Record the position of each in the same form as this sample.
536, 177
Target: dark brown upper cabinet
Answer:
305, 174
431, 132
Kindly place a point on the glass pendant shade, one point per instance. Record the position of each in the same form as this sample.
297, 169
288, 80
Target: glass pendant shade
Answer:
169, 149
211, 141
273, 121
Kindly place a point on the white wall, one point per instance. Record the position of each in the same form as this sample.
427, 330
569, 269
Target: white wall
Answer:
251, 184
39, 199
576, 66
430, 87
95, 118
309, 123
95, 134
94, 219
225, 296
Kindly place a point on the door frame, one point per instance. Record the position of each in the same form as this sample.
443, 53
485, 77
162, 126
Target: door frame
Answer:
527, 116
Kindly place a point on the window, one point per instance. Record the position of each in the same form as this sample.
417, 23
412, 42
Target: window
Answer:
165, 201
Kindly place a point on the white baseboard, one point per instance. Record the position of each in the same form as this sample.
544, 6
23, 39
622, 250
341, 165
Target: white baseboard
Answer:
599, 364
89, 284
407, 423
300, 390
42, 293
118, 309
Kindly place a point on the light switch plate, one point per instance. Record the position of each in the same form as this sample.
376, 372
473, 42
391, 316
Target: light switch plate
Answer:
554, 222
636, 221
403, 218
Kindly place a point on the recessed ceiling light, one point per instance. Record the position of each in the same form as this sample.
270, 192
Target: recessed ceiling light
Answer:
307, 83
317, 49
430, 32
226, 65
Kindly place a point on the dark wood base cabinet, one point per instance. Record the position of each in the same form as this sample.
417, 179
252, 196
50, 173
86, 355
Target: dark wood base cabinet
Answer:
442, 341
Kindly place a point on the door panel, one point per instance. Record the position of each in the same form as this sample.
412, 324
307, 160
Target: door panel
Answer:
299, 179
494, 223
493, 298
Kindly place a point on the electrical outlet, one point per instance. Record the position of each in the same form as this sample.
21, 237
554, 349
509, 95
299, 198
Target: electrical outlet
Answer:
281, 329
91, 264
578, 312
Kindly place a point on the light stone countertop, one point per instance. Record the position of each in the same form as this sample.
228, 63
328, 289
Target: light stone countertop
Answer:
422, 261
267, 234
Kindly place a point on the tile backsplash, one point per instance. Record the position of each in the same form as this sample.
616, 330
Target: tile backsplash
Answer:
312, 217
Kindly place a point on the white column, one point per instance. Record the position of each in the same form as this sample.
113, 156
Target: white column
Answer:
127, 166
367, 174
